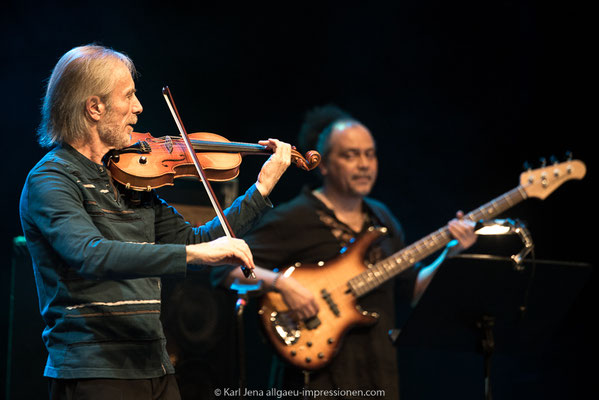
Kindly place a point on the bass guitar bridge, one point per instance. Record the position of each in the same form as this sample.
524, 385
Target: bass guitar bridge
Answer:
287, 329
285, 326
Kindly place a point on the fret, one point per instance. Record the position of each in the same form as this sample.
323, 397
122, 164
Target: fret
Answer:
502, 205
375, 276
382, 272
522, 192
368, 280
483, 212
378, 275
428, 243
368, 284
373, 279
478, 215
384, 266
494, 207
418, 248
398, 261
357, 284
389, 265
411, 258
387, 268
444, 233
383, 275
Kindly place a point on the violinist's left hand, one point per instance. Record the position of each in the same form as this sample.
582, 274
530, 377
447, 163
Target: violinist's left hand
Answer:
463, 231
274, 167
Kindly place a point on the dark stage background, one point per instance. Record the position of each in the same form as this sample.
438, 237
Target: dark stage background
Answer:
458, 95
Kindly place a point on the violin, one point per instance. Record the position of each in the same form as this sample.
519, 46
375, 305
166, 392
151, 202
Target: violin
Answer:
151, 162
154, 162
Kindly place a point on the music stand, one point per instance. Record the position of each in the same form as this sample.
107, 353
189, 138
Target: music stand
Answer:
478, 302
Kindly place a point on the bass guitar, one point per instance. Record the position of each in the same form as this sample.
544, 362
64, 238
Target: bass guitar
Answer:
339, 283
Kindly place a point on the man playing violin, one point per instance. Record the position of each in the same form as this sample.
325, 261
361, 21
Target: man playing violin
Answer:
99, 249
315, 226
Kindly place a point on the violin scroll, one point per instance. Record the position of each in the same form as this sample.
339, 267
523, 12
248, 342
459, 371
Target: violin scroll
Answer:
307, 163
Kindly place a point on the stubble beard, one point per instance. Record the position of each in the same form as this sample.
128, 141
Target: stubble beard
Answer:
114, 135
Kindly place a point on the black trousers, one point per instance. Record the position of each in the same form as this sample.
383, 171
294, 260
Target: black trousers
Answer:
163, 388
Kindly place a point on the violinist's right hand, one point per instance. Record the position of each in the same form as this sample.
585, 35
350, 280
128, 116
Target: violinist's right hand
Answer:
224, 250
274, 167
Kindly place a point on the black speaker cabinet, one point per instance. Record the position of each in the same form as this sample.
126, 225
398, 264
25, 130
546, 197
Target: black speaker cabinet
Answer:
199, 323
26, 354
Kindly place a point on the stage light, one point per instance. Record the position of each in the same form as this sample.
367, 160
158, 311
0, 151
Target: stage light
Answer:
495, 227
508, 227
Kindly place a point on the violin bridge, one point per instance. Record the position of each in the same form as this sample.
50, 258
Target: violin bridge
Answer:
168, 142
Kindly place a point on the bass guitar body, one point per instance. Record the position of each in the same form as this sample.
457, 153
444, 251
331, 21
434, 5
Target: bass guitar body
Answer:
311, 344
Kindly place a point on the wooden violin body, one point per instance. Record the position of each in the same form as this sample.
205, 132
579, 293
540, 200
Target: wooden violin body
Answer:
150, 162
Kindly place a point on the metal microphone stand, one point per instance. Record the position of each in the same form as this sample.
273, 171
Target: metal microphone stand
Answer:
243, 291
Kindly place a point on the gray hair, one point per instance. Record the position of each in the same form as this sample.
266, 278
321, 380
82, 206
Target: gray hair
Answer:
323, 144
81, 72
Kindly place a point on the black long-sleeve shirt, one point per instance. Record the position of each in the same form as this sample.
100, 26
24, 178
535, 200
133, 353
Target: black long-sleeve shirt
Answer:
98, 253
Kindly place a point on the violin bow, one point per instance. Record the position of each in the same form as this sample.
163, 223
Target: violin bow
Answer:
168, 97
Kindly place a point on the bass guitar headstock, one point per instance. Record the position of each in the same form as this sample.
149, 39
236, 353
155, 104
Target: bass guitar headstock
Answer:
541, 182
